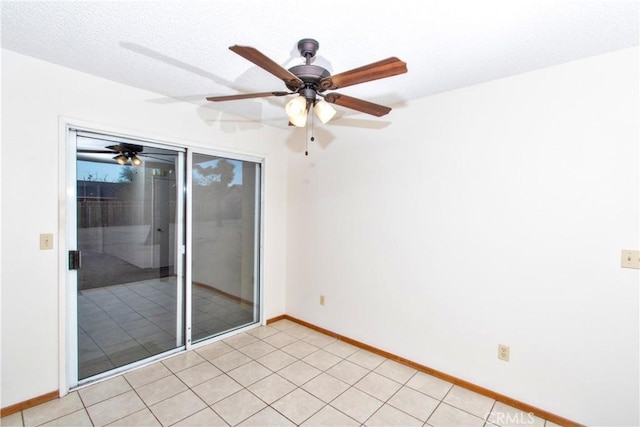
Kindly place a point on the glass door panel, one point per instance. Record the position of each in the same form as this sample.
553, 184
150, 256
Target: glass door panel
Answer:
130, 235
225, 245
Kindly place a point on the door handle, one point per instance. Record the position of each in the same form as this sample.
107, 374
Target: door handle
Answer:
75, 260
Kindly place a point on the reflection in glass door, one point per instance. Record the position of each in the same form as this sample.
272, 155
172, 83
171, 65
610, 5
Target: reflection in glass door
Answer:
128, 297
130, 233
225, 216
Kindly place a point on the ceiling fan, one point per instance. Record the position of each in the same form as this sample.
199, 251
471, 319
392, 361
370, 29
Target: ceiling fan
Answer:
123, 153
311, 81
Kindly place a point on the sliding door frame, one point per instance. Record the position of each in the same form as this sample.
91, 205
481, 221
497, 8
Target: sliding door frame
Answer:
67, 239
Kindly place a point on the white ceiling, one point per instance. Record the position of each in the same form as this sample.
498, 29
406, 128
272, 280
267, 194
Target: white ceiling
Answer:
179, 49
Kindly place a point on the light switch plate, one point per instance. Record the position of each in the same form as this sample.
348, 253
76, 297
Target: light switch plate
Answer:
630, 258
46, 241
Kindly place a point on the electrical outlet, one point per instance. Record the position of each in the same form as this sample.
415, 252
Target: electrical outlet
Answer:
503, 352
46, 241
321, 299
630, 259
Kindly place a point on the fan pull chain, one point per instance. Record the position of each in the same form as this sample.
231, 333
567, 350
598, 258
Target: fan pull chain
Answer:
307, 139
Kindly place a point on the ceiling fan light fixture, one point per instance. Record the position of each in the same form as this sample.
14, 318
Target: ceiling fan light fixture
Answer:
300, 120
296, 107
135, 160
121, 159
324, 111
297, 111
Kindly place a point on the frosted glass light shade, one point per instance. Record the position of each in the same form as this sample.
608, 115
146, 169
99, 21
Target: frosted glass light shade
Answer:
121, 159
297, 111
300, 120
324, 111
135, 160
296, 106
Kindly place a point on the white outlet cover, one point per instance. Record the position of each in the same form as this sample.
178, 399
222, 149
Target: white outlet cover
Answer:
630, 258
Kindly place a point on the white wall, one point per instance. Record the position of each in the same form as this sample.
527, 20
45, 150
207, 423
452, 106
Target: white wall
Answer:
491, 214
34, 95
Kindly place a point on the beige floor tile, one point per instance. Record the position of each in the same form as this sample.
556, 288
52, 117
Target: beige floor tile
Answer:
414, 403
382, 388
318, 381
51, 410
240, 340
469, 401
280, 339
143, 418
390, 416
322, 360
178, 407
341, 349
508, 416
277, 360
263, 331
113, 409
198, 374
13, 420
430, 385
299, 349
356, 404
204, 418
366, 359
447, 416
238, 407
249, 373
216, 389
325, 387
147, 374
183, 361
161, 389
104, 390
299, 372
271, 388
318, 339
299, 331
330, 416
396, 371
298, 405
230, 360
214, 350
257, 349
348, 372
267, 417
283, 325
76, 419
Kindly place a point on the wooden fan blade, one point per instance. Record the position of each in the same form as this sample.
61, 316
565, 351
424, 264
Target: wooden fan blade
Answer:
357, 104
377, 70
264, 62
246, 96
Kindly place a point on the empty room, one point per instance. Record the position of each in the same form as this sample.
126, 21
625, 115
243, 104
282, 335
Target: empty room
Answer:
345, 213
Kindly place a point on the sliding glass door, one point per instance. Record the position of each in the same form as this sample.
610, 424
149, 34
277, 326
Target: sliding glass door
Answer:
164, 247
224, 244
130, 228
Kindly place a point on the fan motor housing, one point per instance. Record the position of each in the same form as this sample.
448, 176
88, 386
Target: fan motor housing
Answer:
310, 75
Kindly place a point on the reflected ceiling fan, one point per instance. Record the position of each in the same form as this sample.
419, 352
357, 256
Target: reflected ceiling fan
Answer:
311, 81
124, 153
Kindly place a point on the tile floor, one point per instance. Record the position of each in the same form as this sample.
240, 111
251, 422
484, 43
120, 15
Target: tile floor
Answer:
120, 324
278, 375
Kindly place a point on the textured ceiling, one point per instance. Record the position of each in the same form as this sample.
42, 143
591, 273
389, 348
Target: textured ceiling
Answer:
179, 49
